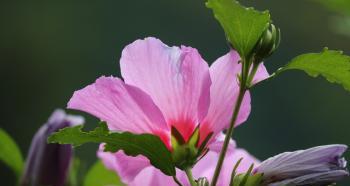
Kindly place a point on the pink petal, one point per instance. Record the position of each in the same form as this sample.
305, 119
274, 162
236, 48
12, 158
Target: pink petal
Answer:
216, 146
151, 176
123, 107
260, 74
230, 162
224, 92
177, 79
127, 167
134, 171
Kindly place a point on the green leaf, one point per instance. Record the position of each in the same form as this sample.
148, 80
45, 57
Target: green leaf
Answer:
331, 64
98, 175
341, 6
10, 153
147, 145
339, 23
243, 26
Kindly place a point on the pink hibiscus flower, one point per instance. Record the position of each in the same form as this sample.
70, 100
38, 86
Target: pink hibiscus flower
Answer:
167, 87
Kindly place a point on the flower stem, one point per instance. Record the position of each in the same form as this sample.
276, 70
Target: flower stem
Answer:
190, 177
252, 74
242, 91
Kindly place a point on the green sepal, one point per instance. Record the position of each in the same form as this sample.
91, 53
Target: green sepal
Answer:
254, 180
203, 145
247, 179
184, 155
177, 136
246, 176
251, 180
234, 171
193, 141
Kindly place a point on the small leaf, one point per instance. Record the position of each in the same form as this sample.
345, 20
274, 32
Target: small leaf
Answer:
243, 26
331, 64
98, 175
148, 145
10, 153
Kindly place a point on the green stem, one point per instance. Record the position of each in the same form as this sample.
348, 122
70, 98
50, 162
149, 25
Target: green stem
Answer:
190, 177
242, 91
227, 138
252, 74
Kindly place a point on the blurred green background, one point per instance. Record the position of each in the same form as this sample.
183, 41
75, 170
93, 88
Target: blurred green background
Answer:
51, 48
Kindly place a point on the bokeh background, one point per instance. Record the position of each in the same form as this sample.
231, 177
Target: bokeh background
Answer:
51, 48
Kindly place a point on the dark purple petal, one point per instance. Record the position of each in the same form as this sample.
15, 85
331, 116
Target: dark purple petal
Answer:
48, 164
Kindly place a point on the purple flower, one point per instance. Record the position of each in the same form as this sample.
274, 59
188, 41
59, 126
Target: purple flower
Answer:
315, 166
48, 164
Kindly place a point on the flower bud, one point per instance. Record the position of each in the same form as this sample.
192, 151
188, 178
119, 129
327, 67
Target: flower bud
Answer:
48, 164
320, 165
268, 43
202, 182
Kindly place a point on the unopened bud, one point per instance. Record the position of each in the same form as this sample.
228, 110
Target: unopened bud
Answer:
320, 165
202, 182
48, 164
268, 43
